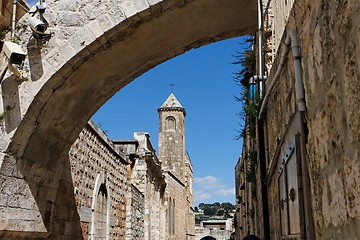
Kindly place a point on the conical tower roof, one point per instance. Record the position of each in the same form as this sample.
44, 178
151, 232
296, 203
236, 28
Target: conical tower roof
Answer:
171, 104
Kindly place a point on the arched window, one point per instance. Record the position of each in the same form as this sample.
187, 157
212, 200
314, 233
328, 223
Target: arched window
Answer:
101, 209
101, 213
170, 216
170, 123
173, 217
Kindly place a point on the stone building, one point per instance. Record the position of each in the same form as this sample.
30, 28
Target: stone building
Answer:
219, 229
123, 191
6, 12
99, 173
145, 209
177, 169
299, 176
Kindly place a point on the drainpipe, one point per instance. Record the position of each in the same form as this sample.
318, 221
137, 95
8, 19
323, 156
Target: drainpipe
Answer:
13, 19
261, 48
299, 86
292, 42
260, 127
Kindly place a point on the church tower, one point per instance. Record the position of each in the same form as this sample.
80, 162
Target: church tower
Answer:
172, 137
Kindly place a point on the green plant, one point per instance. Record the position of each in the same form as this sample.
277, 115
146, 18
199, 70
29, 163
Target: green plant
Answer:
16, 39
242, 167
250, 104
250, 174
251, 110
251, 168
4, 32
21, 26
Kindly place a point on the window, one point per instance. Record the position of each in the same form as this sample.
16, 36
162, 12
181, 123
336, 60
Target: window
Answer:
170, 123
169, 216
173, 217
100, 219
101, 213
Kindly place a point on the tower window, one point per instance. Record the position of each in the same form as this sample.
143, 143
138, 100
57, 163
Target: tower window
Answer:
170, 123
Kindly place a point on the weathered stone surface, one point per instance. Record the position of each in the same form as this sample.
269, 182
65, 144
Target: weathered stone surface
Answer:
328, 33
135, 214
93, 154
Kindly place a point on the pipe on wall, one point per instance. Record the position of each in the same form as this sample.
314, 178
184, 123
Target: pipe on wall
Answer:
13, 21
261, 49
292, 42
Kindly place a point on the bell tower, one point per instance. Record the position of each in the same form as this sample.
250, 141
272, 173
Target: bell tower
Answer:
172, 137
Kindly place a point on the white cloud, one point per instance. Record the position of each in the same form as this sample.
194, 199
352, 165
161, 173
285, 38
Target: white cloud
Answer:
226, 192
212, 189
201, 196
206, 182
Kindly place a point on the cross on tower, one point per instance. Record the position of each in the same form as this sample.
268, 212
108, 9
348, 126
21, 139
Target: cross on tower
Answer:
172, 87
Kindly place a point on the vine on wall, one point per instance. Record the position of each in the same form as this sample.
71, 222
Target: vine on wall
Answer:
250, 104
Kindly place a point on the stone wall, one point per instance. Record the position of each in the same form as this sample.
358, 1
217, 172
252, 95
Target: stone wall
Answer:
175, 192
316, 151
93, 155
135, 211
331, 61
329, 33
246, 203
190, 222
146, 193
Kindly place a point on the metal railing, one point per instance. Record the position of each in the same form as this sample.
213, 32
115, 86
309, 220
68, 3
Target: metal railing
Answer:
276, 15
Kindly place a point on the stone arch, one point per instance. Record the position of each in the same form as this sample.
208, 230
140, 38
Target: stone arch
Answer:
94, 52
79, 77
100, 187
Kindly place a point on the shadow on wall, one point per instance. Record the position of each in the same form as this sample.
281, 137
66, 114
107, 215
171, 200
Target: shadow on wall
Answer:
35, 61
54, 195
41, 202
11, 102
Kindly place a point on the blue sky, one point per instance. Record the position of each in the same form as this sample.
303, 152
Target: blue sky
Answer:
205, 88
31, 2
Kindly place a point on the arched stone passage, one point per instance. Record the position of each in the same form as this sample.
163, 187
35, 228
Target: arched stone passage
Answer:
97, 49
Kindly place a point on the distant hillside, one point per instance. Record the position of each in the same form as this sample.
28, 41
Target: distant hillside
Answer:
214, 210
